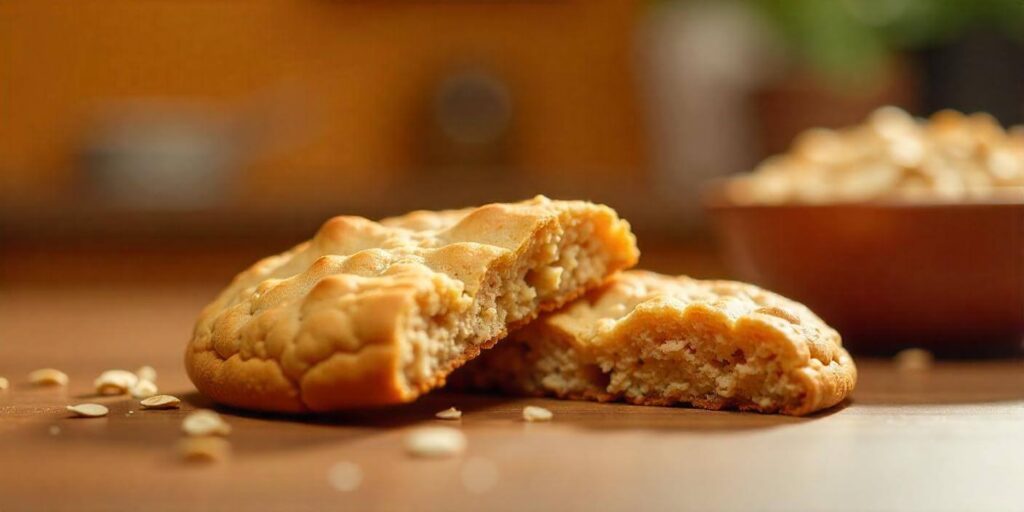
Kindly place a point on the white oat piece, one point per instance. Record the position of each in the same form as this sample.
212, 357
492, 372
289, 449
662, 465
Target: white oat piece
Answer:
435, 442
144, 389
89, 410
204, 449
115, 382
160, 402
204, 422
146, 373
450, 413
48, 377
533, 413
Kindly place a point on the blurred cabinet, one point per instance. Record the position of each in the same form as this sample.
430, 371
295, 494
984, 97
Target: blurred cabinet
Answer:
326, 98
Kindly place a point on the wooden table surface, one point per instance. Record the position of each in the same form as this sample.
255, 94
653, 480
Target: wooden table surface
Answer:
951, 438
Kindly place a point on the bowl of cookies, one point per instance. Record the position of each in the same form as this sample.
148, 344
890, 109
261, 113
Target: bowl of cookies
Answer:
900, 232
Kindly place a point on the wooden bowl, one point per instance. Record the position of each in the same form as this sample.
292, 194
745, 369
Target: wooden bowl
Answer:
946, 277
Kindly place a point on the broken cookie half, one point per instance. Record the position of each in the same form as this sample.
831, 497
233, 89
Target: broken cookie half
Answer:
370, 313
651, 339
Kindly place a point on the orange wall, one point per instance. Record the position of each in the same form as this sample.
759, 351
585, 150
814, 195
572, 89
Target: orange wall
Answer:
363, 68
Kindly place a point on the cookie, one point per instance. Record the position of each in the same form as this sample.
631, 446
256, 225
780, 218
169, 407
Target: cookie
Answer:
371, 313
651, 339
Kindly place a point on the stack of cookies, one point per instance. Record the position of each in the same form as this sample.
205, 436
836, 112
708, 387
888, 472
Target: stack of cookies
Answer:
372, 313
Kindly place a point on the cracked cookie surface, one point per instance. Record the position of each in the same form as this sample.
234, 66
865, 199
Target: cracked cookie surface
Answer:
370, 313
652, 339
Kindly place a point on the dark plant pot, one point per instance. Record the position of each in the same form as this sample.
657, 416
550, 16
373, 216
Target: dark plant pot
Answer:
981, 72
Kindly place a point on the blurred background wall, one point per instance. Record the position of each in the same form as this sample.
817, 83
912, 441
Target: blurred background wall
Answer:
177, 140
330, 99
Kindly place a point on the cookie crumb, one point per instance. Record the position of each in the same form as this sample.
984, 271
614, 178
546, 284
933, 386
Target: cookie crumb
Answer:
144, 389
204, 449
914, 359
161, 402
48, 377
204, 422
450, 413
115, 382
345, 476
54, 430
533, 413
146, 373
435, 442
89, 410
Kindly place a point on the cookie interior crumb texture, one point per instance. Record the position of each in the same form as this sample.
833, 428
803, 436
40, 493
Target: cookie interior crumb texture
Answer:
48, 377
450, 413
435, 442
533, 413
651, 339
371, 313
89, 410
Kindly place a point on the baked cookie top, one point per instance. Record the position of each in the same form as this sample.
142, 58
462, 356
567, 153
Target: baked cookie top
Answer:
654, 339
629, 295
374, 312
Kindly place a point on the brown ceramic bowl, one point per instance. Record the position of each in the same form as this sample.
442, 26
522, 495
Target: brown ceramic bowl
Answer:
946, 277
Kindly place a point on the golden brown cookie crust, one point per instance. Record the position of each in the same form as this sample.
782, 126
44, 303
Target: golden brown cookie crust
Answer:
371, 313
772, 354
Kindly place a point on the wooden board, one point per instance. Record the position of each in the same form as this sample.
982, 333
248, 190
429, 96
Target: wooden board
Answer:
947, 439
